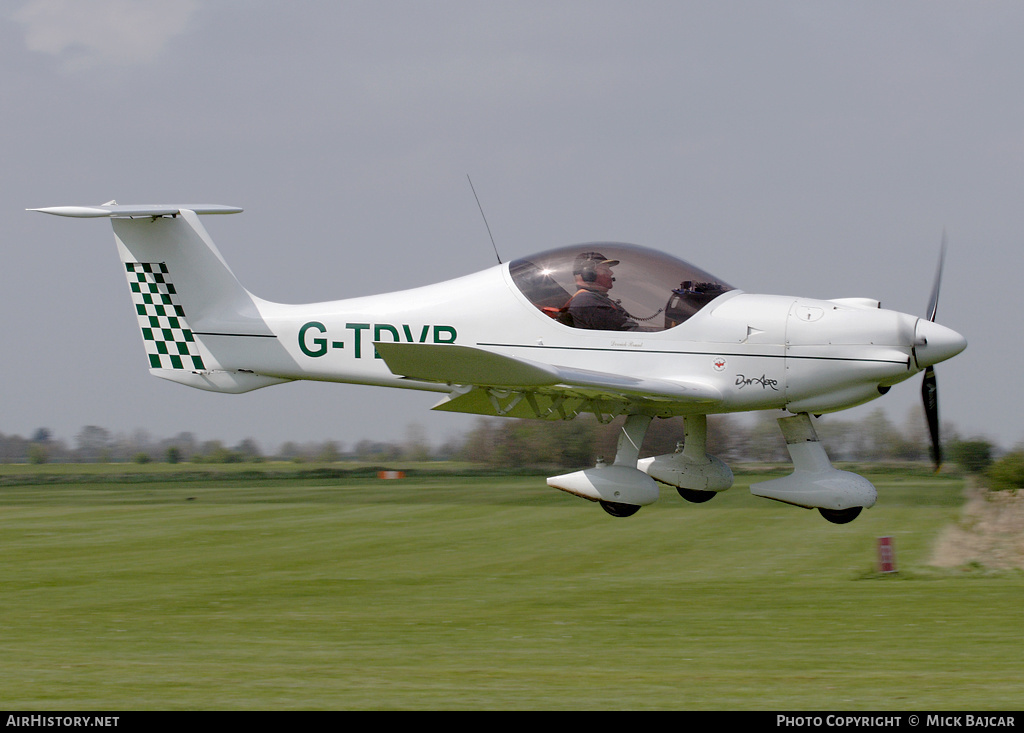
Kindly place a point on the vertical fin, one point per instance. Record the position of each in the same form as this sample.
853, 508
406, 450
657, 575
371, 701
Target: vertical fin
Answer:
173, 269
165, 332
206, 287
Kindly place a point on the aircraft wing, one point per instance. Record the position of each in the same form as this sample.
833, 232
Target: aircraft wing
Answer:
495, 384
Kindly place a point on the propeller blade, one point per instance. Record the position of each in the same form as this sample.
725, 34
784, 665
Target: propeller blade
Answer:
930, 395
933, 302
929, 387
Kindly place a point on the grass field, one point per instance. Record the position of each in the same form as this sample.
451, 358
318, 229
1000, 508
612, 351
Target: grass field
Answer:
487, 593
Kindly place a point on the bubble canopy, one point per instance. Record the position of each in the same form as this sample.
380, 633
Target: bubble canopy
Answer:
650, 290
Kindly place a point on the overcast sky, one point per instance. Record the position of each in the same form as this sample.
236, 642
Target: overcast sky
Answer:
803, 148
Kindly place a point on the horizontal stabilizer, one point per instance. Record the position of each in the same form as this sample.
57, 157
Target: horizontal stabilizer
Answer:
116, 211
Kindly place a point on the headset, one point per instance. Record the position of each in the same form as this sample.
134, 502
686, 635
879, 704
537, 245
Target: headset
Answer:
586, 265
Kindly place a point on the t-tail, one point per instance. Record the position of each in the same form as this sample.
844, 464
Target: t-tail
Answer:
200, 327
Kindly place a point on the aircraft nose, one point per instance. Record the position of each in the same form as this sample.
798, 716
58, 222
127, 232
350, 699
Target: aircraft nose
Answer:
934, 343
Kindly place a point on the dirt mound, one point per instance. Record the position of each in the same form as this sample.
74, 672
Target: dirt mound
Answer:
990, 532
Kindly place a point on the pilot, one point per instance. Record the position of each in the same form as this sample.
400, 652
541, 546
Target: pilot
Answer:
591, 307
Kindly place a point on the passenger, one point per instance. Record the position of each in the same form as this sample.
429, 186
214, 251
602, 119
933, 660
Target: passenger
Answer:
591, 307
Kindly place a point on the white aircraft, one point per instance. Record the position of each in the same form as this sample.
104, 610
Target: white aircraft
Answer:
542, 337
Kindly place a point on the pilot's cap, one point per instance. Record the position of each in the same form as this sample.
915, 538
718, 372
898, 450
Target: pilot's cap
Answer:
590, 260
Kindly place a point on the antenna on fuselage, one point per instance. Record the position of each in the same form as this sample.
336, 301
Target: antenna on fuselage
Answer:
473, 189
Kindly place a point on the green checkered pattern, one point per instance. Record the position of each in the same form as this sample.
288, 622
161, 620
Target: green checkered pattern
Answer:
169, 342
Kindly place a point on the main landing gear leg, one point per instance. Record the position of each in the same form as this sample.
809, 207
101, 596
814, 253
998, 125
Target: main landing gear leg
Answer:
815, 484
621, 489
696, 475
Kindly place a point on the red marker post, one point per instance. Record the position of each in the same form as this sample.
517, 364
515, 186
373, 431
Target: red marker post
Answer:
886, 555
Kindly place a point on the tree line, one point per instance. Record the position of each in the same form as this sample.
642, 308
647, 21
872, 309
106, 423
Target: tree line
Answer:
733, 438
95, 444
506, 443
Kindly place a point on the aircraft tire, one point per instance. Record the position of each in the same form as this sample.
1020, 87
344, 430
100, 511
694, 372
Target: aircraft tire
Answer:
695, 496
619, 510
841, 516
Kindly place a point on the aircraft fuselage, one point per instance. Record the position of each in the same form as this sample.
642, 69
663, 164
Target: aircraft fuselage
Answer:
757, 351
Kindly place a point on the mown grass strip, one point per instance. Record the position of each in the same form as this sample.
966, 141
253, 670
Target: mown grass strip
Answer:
468, 593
